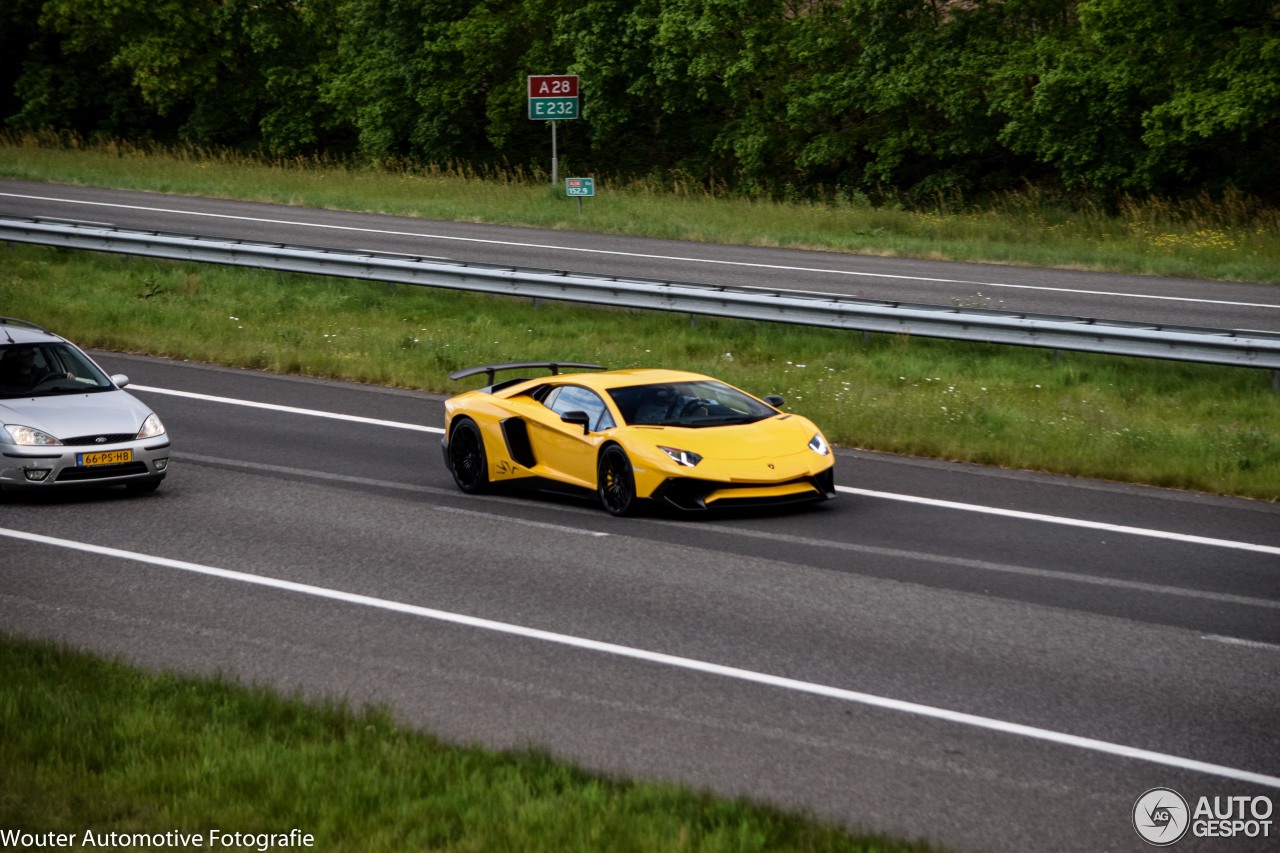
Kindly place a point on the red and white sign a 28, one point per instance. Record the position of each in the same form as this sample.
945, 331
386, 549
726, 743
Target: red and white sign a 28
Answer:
553, 86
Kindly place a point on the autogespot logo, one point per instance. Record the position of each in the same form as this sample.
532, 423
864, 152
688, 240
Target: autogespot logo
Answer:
1161, 817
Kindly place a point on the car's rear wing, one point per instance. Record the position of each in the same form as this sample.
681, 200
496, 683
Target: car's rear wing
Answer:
490, 369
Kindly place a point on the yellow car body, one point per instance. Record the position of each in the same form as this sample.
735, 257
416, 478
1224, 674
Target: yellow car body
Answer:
608, 433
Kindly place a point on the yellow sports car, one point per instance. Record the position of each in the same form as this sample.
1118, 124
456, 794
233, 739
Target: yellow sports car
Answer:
666, 437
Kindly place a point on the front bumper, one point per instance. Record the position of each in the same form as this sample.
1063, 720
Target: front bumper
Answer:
63, 466
686, 493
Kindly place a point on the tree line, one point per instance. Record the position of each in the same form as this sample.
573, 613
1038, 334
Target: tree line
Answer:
1169, 97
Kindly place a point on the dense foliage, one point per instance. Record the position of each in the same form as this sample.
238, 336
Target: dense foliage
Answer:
779, 96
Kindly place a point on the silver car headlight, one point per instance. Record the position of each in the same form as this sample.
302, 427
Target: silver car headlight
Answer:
681, 457
151, 427
818, 445
30, 436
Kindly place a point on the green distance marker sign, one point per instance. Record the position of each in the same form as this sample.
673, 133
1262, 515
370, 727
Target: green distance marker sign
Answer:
580, 187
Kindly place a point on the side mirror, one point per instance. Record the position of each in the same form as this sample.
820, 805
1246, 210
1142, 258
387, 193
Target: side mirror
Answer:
120, 379
582, 419
775, 400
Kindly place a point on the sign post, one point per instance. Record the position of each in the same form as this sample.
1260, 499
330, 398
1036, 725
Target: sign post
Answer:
553, 97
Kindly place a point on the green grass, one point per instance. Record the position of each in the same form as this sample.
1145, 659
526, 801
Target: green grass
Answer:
1166, 423
1227, 238
91, 744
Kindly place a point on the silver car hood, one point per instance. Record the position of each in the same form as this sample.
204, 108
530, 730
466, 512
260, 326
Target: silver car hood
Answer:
69, 415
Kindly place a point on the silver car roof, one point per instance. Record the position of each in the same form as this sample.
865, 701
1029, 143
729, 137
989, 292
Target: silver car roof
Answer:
14, 331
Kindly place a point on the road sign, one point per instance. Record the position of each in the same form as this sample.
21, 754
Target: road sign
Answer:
553, 108
553, 85
581, 187
553, 96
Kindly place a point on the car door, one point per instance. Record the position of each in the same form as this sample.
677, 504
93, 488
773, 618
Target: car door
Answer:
567, 449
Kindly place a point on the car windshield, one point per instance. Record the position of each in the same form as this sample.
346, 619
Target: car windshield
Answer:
47, 369
699, 403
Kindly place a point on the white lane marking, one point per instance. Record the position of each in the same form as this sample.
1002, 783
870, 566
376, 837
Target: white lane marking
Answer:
713, 261
1070, 522
1236, 641
772, 536
1008, 513
293, 410
507, 519
691, 664
980, 565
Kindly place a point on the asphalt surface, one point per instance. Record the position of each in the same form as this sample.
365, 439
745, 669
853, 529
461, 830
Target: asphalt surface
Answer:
1184, 302
991, 660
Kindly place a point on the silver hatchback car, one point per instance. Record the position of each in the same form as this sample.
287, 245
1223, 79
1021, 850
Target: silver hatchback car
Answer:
65, 423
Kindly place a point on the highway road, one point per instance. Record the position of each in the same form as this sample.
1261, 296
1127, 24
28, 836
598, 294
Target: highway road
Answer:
1185, 302
987, 659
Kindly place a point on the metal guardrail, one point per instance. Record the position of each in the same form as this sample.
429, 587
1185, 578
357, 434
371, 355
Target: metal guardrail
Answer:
1176, 343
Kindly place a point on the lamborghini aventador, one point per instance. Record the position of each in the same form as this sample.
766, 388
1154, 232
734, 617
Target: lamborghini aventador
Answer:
633, 437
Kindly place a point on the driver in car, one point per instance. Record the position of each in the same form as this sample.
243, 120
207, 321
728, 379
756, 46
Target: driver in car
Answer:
655, 407
20, 371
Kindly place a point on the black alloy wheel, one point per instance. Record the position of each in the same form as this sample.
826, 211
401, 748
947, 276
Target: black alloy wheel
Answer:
616, 482
467, 462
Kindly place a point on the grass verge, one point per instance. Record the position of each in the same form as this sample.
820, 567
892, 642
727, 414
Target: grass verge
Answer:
90, 745
1165, 423
1225, 238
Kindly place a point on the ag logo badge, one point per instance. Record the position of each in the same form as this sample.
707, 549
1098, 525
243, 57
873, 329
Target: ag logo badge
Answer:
1161, 816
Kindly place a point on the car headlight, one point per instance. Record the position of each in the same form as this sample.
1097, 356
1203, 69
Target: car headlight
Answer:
681, 457
30, 436
819, 445
151, 427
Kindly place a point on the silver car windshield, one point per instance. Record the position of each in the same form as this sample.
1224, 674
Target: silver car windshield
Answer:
47, 369
693, 404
